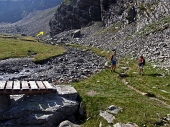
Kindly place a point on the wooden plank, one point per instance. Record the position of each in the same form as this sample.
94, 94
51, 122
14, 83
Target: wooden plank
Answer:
16, 85
28, 87
47, 85
33, 85
24, 85
2, 85
40, 85
9, 85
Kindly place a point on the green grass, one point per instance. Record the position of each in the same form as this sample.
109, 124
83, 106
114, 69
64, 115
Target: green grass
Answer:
106, 88
155, 81
17, 46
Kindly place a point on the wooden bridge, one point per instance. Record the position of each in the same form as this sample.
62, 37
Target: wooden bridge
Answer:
25, 87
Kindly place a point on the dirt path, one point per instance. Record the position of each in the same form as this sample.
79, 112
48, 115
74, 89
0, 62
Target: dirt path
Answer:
151, 96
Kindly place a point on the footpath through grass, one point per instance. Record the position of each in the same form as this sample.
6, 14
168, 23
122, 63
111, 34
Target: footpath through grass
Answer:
106, 88
20, 46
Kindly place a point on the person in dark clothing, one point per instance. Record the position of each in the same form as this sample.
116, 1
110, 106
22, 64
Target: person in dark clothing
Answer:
113, 61
141, 64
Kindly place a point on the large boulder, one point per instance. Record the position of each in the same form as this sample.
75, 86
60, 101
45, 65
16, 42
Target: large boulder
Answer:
68, 124
40, 110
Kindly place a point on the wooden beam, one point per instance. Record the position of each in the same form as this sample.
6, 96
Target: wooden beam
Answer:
40, 85
47, 85
16, 85
9, 85
24, 85
33, 85
2, 85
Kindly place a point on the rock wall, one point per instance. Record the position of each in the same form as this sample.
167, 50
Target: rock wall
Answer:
75, 15
112, 11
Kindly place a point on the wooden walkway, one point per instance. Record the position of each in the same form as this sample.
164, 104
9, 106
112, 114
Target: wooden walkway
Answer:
25, 87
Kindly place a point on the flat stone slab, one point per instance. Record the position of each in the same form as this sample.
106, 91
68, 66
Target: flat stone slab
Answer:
66, 91
107, 116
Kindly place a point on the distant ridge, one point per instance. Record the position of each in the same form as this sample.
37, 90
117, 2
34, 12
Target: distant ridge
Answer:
31, 24
14, 10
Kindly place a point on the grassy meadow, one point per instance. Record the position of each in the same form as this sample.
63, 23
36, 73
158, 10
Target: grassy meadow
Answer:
25, 46
145, 99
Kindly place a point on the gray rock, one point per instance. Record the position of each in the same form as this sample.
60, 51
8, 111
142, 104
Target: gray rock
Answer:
114, 109
39, 110
125, 125
107, 116
168, 117
67, 123
74, 16
66, 91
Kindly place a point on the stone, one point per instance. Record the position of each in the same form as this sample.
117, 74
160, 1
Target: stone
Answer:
67, 123
168, 117
107, 116
125, 125
114, 109
39, 110
66, 91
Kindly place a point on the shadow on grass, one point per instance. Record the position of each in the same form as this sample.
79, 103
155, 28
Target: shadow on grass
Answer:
80, 115
153, 75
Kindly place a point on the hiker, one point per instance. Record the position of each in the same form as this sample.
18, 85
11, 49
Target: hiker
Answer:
141, 63
113, 61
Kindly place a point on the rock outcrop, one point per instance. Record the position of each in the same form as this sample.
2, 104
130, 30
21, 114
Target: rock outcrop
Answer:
47, 110
75, 15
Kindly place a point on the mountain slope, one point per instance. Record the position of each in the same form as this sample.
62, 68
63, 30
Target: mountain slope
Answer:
132, 27
14, 10
32, 24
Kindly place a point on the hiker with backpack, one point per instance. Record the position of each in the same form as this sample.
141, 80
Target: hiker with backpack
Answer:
113, 61
141, 63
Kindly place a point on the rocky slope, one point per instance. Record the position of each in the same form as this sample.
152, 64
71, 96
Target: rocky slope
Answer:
74, 65
133, 27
